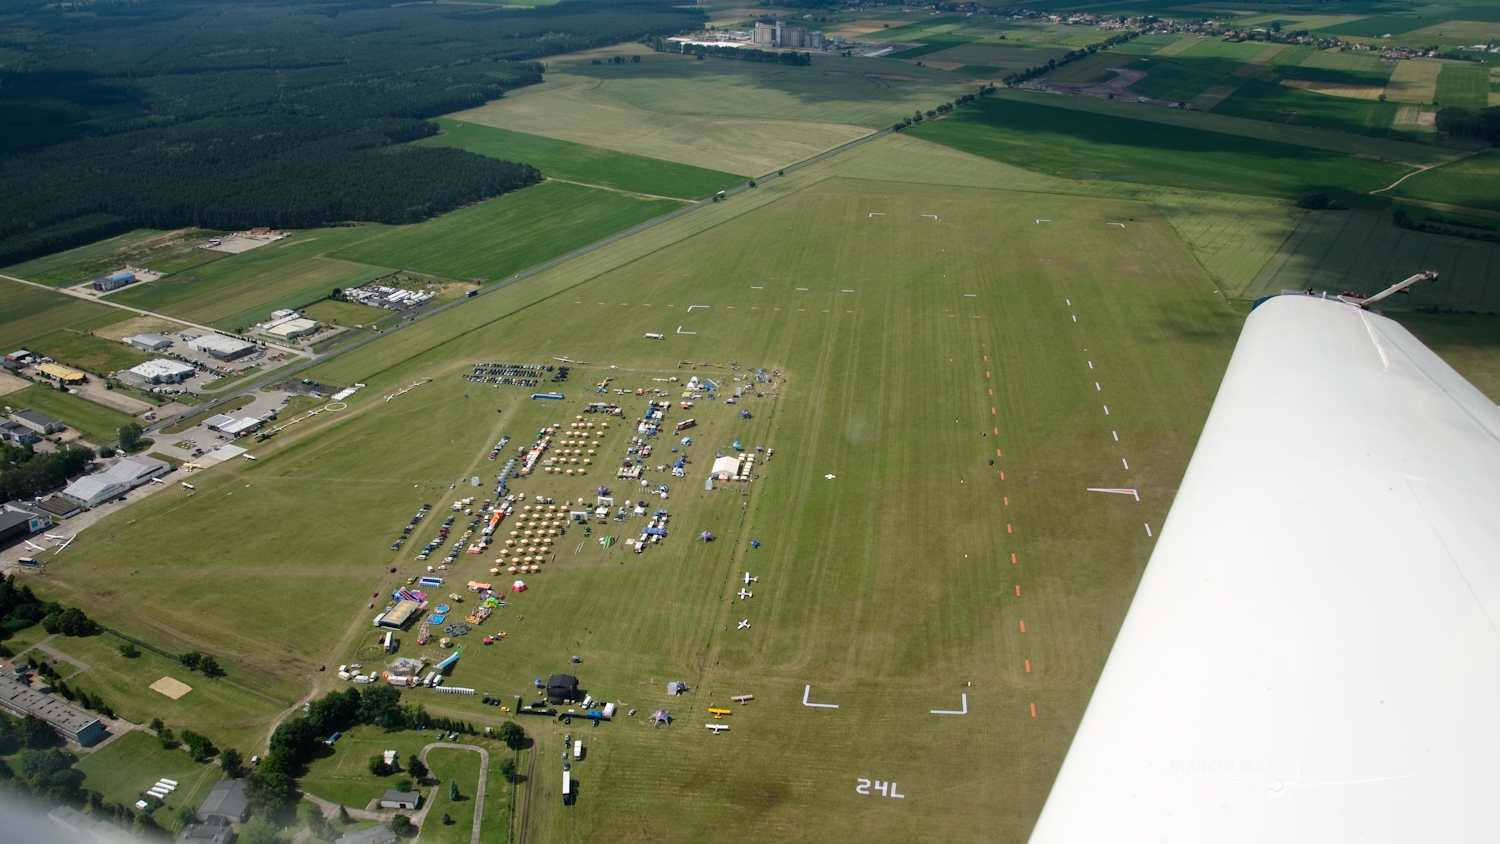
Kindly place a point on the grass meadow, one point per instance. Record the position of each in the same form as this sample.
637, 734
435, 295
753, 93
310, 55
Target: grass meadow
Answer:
87, 352
95, 422
79, 255
27, 312
127, 767
494, 239
1076, 144
889, 588
589, 165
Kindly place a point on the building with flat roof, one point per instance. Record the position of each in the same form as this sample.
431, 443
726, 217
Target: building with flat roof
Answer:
61, 373
17, 519
393, 799
294, 328
114, 281
229, 425
205, 833
93, 490
374, 835
161, 371
69, 721
150, 342
227, 801
219, 347
17, 434
38, 422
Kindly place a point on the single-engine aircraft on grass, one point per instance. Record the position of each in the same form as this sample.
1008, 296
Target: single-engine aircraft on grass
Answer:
745, 625
745, 593
749, 580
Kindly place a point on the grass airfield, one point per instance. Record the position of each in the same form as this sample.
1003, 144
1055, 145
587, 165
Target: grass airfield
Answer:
865, 590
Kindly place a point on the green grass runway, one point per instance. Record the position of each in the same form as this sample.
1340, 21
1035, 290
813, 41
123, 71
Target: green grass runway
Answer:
864, 590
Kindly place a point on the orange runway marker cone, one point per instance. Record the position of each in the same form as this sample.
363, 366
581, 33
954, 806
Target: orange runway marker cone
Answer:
1028, 666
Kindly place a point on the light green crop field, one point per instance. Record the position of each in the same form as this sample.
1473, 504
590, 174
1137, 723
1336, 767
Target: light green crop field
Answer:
889, 588
87, 352
98, 424
462, 767
27, 312
1472, 183
90, 252
589, 165
243, 289
1467, 86
494, 239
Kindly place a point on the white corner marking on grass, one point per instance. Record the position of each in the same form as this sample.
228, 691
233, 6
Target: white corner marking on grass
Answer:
877, 213
1116, 491
680, 331
808, 691
933, 216
690, 307
1121, 225
1039, 222
964, 711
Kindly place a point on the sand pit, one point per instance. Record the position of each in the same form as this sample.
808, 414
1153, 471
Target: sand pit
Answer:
173, 689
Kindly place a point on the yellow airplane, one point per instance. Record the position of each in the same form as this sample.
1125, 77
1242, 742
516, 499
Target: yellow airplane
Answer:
719, 713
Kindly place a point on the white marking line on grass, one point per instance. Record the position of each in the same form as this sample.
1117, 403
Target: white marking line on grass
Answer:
1117, 435
807, 691
971, 295
933, 216
1039, 222
1075, 317
1091, 364
847, 291
802, 288
1117, 491
964, 711
680, 331
753, 287
1097, 387
1126, 462
877, 213
690, 307
1106, 410
1121, 225
1148, 529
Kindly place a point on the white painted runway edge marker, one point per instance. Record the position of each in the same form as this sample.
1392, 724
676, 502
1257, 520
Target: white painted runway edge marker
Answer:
1091, 364
1127, 465
802, 288
680, 331
933, 216
1039, 222
690, 307
1106, 410
1097, 387
1117, 435
1148, 530
964, 711
971, 295
848, 291
753, 287
1069, 301
808, 690
877, 213
1075, 317
1121, 225
1117, 491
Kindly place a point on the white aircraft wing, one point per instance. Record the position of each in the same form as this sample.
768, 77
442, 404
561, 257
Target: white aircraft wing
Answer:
1312, 654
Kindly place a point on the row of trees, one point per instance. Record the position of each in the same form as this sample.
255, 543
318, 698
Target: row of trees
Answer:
1468, 231
1072, 56
21, 608
26, 474
944, 108
1480, 123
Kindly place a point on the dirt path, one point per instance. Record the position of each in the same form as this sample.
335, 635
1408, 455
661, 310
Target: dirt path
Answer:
526, 802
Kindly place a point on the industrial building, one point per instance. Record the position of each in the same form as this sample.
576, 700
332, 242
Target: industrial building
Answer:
226, 801
114, 281
69, 721
232, 426
205, 833
150, 342
17, 434
93, 490
293, 328
62, 373
41, 423
791, 37
161, 372
17, 519
219, 347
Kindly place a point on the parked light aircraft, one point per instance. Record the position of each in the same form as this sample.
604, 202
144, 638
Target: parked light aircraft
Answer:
749, 580
744, 593
745, 625
717, 728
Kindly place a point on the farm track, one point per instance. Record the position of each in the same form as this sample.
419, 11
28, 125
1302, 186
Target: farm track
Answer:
526, 803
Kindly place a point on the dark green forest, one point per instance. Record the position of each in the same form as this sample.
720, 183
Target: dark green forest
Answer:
228, 114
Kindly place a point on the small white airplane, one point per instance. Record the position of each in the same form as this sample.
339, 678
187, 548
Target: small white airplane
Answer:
717, 728
744, 593
157, 481
749, 580
249, 457
35, 547
186, 485
742, 698
55, 538
744, 625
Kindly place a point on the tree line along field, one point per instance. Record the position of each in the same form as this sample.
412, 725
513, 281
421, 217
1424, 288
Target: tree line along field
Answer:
884, 614
589, 165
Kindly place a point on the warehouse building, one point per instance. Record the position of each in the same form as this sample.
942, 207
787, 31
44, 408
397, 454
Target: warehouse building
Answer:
69, 721
93, 490
293, 328
226, 801
41, 423
232, 426
161, 372
150, 342
17, 434
19, 520
61, 373
219, 347
114, 281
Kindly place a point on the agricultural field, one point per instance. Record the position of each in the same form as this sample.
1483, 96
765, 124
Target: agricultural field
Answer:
162, 252
587, 165
39, 269
1467, 86
1471, 182
27, 312
494, 239
94, 422
745, 118
1074, 144
847, 598
91, 354
240, 290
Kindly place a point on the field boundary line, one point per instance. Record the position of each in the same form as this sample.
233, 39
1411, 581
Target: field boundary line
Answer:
617, 190
173, 657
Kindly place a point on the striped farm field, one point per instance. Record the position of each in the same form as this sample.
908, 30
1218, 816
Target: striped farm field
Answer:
27, 312
1471, 182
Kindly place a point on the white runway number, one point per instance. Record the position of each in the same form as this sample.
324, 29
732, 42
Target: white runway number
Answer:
886, 789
